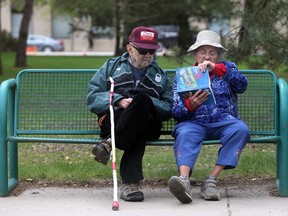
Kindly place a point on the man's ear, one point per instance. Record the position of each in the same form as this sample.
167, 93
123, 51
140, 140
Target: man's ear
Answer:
128, 48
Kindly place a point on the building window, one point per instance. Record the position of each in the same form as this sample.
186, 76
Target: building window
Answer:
61, 26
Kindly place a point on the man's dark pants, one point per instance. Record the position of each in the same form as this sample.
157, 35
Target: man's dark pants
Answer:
135, 125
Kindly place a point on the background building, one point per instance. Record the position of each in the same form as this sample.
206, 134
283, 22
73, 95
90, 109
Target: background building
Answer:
78, 34
59, 27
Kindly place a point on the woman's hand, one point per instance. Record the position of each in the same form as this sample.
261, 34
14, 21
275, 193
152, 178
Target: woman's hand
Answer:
197, 98
206, 64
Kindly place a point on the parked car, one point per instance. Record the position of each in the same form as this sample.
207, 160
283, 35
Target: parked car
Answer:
44, 43
168, 34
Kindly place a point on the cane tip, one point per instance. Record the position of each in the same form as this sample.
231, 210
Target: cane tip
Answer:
115, 206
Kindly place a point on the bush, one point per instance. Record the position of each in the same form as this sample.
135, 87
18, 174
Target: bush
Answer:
8, 43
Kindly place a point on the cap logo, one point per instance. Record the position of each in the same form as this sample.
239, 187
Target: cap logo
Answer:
147, 36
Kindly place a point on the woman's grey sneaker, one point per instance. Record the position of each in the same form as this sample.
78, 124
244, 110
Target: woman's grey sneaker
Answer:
181, 188
209, 190
131, 192
102, 151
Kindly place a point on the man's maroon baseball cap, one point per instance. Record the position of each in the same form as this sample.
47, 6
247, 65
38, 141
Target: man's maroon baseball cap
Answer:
144, 37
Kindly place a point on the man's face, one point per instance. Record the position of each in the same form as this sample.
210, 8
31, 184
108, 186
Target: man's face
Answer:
141, 58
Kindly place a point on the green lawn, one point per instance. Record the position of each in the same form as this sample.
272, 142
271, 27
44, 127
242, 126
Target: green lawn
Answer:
75, 162
63, 62
85, 62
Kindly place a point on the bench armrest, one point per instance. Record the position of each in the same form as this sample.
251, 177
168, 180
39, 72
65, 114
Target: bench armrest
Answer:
7, 101
283, 108
282, 147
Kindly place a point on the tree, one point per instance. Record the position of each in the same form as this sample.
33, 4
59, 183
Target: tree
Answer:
126, 14
262, 35
171, 12
23, 34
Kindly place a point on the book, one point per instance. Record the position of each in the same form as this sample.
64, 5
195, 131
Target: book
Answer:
191, 79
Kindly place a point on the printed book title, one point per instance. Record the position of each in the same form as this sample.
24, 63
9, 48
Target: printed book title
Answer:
191, 79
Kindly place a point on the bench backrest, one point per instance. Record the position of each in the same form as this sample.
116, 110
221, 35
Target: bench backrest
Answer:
52, 101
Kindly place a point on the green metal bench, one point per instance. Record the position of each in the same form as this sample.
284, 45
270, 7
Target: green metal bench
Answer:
49, 106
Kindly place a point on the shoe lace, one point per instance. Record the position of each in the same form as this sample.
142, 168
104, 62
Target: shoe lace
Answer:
186, 182
131, 188
107, 144
210, 183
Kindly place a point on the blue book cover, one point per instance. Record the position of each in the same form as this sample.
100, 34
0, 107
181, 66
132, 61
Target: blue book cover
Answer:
191, 79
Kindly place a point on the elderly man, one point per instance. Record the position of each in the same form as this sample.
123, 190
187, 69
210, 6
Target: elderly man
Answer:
142, 100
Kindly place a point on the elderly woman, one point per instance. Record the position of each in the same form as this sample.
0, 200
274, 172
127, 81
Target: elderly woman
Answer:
197, 122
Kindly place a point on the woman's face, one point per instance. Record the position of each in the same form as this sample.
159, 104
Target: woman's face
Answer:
207, 53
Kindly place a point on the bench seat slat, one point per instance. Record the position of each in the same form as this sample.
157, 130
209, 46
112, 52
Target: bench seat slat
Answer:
161, 142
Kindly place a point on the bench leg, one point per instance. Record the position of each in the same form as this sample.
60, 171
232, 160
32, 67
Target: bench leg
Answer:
13, 160
13, 165
282, 168
3, 166
8, 182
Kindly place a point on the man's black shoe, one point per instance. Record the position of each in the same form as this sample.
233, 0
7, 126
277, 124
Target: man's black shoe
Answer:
102, 151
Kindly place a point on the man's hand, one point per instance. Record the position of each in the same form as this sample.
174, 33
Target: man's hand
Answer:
124, 103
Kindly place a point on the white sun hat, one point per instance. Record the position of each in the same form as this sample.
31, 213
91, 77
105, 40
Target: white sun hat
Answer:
207, 37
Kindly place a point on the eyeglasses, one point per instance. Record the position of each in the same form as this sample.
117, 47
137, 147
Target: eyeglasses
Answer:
211, 53
142, 51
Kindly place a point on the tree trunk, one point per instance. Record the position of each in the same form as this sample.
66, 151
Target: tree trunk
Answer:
121, 37
117, 28
23, 34
250, 7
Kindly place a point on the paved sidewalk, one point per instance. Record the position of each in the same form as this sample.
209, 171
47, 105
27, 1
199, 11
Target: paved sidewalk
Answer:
251, 200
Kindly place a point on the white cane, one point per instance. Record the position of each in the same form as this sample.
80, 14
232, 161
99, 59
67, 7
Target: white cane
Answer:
115, 204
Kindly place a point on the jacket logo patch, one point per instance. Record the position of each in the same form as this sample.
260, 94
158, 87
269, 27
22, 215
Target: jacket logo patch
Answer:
158, 77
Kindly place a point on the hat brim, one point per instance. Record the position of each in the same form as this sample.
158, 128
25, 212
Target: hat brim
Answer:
146, 45
207, 43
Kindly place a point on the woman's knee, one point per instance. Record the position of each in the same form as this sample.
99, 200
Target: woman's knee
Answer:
244, 130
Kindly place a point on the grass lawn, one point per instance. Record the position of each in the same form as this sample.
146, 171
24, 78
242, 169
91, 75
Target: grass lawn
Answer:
67, 62
75, 162
85, 62
59, 162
